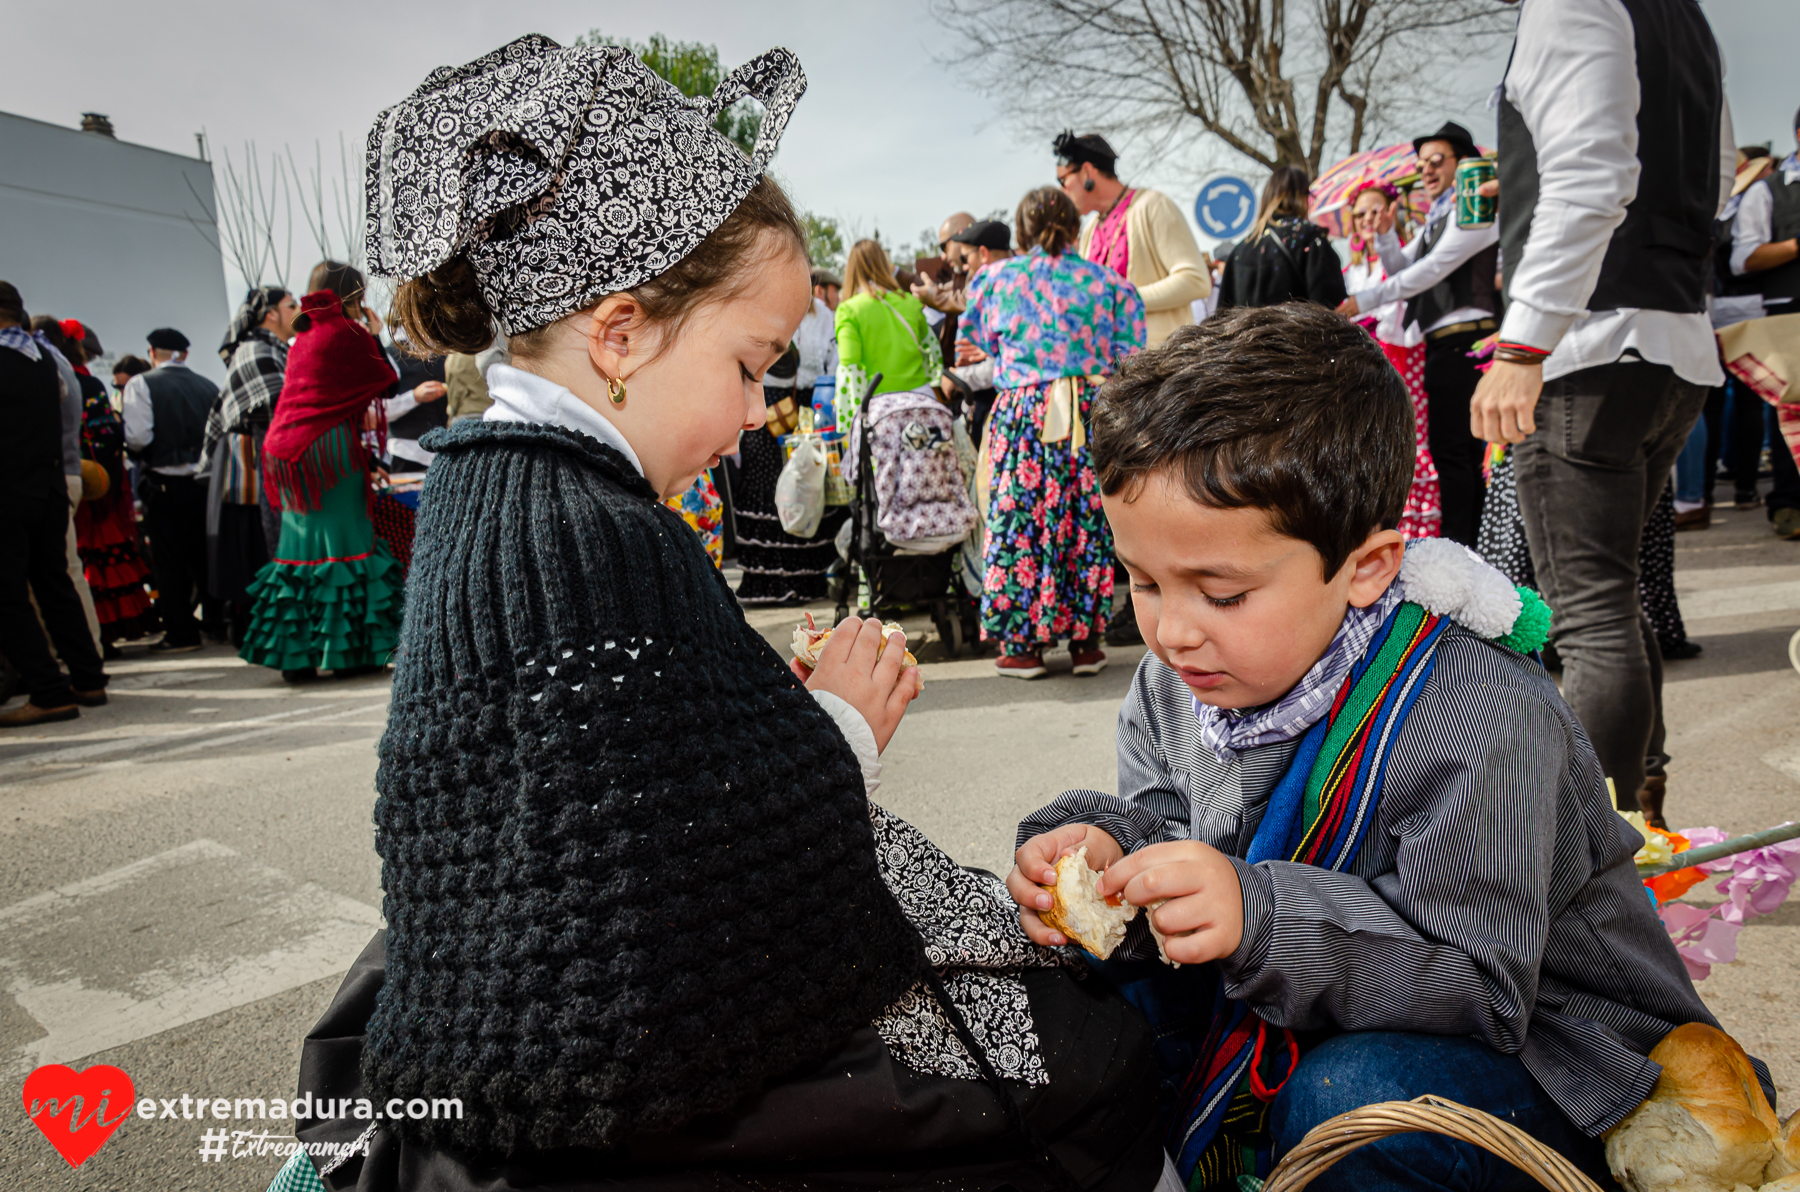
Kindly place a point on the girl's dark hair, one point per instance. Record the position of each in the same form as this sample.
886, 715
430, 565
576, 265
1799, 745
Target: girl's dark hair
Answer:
443, 311
1047, 219
1287, 192
131, 366
50, 327
346, 281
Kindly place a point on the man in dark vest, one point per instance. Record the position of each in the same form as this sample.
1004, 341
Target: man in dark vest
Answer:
1446, 274
1616, 156
33, 557
165, 429
1765, 259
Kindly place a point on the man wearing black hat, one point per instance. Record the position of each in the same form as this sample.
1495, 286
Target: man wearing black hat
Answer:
1138, 233
165, 430
33, 533
1446, 276
984, 241
1616, 156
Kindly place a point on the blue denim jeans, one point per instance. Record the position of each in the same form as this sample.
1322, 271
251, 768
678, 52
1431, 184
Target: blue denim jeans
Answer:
1352, 1070
1691, 487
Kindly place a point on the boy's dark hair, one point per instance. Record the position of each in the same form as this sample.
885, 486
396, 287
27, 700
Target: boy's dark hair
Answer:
1291, 408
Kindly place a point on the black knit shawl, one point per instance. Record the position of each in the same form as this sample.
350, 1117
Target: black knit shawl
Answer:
627, 859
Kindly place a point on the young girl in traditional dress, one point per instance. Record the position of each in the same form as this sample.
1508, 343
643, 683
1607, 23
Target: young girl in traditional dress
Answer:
644, 926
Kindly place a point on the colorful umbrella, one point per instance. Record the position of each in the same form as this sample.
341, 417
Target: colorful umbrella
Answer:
1392, 165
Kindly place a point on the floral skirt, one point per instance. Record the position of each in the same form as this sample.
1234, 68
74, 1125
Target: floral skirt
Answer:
1424, 513
332, 596
1049, 573
106, 538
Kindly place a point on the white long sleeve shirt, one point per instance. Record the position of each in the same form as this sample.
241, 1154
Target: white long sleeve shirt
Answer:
1754, 225
1574, 81
1409, 274
140, 420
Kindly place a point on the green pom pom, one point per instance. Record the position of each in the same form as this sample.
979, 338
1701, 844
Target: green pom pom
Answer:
1532, 629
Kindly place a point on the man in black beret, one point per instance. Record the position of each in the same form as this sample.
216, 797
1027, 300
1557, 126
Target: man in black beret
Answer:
165, 430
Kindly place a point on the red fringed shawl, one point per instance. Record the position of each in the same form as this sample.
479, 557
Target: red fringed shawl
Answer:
335, 371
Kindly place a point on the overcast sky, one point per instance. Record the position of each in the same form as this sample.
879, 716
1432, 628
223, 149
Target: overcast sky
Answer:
886, 138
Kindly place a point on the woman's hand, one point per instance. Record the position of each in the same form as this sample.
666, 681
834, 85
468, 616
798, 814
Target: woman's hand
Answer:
967, 353
1203, 918
879, 688
426, 391
1348, 308
1034, 867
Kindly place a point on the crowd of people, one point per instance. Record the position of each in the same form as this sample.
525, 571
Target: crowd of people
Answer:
275, 513
641, 912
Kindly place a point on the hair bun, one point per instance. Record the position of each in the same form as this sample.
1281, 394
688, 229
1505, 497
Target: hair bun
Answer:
443, 311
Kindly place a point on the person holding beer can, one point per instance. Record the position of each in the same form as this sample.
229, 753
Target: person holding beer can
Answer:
1446, 275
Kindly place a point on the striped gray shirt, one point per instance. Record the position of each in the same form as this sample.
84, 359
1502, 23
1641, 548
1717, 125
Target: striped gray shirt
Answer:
1494, 896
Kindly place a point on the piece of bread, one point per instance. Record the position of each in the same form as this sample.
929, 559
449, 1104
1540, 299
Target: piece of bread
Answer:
1162, 940
1785, 1166
1706, 1126
1078, 910
1787, 1183
809, 640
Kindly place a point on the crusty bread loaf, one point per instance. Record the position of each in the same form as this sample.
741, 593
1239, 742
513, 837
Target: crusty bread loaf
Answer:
1787, 1183
1078, 910
1706, 1126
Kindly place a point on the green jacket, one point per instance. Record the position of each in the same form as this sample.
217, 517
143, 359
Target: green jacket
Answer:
887, 335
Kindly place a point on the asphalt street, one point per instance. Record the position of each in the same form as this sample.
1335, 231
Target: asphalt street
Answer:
186, 873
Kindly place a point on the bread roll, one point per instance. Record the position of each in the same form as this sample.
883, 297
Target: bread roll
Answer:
1080, 913
1162, 941
1706, 1126
1787, 1183
809, 640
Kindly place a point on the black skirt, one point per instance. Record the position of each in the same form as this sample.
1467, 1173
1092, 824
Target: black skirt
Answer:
857, 1120
778, 567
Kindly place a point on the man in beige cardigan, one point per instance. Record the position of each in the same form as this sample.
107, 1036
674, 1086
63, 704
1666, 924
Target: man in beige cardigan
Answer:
1157, 251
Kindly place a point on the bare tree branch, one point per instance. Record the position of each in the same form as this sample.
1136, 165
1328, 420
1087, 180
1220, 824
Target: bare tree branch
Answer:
1156, 73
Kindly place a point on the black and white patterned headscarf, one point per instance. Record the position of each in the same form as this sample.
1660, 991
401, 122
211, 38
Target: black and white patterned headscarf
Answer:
563, 175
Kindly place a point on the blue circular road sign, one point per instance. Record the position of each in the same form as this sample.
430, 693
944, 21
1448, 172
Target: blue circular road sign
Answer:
1225, 207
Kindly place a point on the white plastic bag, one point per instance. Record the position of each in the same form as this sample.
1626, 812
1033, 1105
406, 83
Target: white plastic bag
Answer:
800, 489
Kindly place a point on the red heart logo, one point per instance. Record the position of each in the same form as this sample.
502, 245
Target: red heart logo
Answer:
70, 1107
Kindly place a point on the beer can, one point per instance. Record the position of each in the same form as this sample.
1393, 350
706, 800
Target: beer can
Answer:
1473, 209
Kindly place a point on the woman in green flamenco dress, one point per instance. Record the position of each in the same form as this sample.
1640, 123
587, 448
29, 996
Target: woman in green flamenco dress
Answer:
332, 597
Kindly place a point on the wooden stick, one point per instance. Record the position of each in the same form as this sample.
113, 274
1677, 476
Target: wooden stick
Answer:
1725, 848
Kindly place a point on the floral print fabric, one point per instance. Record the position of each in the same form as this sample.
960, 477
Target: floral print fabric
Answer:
702, 508
1042, 317
1049, 573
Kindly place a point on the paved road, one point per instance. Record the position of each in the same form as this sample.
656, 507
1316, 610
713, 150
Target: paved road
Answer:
185, 874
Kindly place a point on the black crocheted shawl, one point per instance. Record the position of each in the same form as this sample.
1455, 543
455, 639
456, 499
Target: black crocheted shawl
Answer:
628, 863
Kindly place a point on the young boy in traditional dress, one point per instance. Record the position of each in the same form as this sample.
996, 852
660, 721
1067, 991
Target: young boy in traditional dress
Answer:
1346, 790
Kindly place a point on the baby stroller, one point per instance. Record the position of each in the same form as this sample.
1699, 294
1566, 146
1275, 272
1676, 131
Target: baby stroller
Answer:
880, 575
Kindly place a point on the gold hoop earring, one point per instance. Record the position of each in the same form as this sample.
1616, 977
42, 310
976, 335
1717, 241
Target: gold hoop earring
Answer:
615, 391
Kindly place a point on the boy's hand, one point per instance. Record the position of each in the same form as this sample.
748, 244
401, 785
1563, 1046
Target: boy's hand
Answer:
879, 688
1204, 917
1034, 867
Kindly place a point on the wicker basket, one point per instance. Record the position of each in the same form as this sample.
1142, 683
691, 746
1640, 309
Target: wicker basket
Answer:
1330, 1141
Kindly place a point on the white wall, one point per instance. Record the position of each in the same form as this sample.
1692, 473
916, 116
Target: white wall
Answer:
99, 230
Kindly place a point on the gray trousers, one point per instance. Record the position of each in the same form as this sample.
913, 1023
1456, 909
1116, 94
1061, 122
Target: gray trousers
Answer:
1588, 480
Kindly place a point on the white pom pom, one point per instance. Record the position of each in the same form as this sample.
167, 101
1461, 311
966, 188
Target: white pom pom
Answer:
1453, 581
1493, 604
1436, 573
